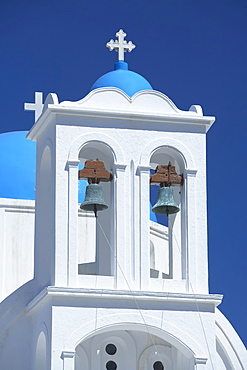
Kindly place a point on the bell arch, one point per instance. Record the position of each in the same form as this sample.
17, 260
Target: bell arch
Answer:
181, 152
95, 239
102, 226
77, 145
173, 255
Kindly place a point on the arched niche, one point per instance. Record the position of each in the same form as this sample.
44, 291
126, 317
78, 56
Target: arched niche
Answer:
96, 236
170, 251
41, 352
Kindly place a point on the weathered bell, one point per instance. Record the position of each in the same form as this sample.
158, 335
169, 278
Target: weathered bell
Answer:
165, 204
94, 199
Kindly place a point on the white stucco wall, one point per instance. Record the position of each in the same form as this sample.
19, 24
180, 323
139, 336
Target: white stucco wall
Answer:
16, 244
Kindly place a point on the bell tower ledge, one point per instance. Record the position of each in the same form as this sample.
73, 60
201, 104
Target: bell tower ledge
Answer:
183, 301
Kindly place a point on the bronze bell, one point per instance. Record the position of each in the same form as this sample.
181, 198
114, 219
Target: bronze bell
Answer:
165, 204
95, 172
94, 199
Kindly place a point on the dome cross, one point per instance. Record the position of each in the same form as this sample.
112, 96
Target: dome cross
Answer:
120, 45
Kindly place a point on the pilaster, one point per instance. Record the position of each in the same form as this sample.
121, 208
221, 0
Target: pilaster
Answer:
68, 360
144, 246
72, 253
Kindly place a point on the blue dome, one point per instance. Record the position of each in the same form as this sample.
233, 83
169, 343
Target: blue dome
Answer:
17, 166
128, 81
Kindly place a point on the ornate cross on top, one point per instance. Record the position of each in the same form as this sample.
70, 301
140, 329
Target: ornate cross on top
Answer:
120, 45
37, 106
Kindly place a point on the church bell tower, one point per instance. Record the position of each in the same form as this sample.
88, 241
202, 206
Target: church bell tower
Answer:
124, 285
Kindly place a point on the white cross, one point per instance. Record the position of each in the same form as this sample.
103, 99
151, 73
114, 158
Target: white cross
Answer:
37, 106
120, 45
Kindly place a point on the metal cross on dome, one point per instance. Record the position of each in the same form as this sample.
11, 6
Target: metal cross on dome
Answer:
120, 45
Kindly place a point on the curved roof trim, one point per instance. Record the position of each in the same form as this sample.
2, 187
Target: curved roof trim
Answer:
113, 103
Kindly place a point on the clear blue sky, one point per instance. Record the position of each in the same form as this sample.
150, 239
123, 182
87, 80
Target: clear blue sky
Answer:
193, 51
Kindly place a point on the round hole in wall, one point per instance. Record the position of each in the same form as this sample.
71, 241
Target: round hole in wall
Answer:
111, 365
111, 349
158, 365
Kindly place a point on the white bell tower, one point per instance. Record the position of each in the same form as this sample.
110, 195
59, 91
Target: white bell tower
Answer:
120, 290
131, 136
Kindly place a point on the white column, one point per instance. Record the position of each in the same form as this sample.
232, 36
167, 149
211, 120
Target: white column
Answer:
192, 230
144, 173
120, 237
72, 252
68, 360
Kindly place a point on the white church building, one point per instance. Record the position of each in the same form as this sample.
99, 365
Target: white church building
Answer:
128, 289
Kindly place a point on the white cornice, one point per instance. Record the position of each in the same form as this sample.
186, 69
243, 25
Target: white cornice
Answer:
100, 294
112, 103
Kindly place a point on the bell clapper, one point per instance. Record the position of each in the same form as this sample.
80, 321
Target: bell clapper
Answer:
95, 210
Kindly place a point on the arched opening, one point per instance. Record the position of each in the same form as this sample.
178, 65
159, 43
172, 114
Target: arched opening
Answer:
131, 349
166, 232
96, 240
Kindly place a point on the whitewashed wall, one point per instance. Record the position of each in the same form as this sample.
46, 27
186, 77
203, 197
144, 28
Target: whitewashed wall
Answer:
16, 244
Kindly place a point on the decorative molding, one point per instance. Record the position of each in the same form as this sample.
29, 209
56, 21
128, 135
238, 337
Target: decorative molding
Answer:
121, 167
67, 354
83, 293
197, 109
143, 169
180, 152
190, 172
113, 103
72, 163
201, 360
80, 141
51, 98
160, 103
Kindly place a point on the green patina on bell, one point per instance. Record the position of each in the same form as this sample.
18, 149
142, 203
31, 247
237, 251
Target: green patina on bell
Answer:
165, 204
94, 199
